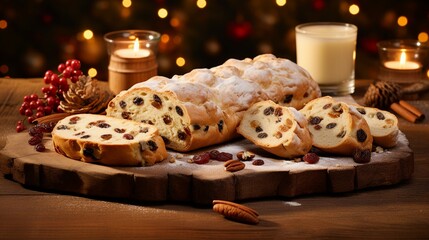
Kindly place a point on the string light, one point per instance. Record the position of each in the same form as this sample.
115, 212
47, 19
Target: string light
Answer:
423, 37
201, 3
92, 72
402, 21
162, 13
88, 34
165, 38
281, 3
126, 3
3, 24
354, 9
175, 22
180, 61
4, 69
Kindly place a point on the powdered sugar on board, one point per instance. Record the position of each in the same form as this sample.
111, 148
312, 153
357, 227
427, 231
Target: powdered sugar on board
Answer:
176, 179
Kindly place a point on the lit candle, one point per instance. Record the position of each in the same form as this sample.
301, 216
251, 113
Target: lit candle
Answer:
402, 64
135, 52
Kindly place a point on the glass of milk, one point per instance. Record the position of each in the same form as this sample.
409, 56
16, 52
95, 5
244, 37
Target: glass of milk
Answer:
327, 50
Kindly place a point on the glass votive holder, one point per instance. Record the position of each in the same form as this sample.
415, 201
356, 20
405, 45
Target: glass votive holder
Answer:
132, 57
403, 61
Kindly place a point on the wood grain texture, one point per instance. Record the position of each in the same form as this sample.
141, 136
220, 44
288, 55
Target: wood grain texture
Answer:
201, 184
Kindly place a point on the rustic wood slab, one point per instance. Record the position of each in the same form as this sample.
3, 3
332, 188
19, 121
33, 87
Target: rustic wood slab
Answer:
180, 181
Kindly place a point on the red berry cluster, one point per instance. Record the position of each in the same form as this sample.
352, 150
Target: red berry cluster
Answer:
34, 106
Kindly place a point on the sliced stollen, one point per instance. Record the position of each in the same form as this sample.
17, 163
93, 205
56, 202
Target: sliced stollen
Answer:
276, 129
110, 141
205, 106
383, 125
337, 128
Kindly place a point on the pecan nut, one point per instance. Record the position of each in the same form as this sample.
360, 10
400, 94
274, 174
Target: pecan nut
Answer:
234, 165
245, 155
236, 212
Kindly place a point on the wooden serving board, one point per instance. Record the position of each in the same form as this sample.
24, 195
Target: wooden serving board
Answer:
180, 181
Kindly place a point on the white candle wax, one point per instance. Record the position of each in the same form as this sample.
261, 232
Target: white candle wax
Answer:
402, 66
132, 53
327, 52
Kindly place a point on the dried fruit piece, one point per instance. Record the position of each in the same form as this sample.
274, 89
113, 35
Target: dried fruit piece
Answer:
202, 158
362, 156
258, 162
138, 101
236, 212
311, 158
361, 135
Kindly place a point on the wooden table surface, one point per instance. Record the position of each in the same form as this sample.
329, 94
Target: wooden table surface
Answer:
395, 212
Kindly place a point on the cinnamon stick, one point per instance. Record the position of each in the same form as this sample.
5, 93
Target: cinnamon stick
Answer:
420, 115
403, 112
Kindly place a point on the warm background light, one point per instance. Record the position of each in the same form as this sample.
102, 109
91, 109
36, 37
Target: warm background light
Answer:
92, 72
402, 21
354, 9
162, 13
3, 24
201, 3
180, 61
88, 34
281, 3
423, 37
126, 3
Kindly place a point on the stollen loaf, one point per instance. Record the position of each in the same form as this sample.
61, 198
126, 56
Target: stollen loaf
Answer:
105, 140
276, 129
205, 106
337, 128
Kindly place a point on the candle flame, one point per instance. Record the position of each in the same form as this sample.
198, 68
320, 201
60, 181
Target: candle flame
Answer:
403, 58
136, 45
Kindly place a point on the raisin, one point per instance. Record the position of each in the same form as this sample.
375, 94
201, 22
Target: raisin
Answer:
278, 112
62, 127
196, 127
166, 140
157, 102
144, 129
361, 110
167, 119
85, 136
128, 136
187, 131
341, 134
119, 130
138, 101
79, 133
380, 115
103, 125
220, 126
35, 131
202, 158
214, 154
106, 136
181, 135
35, 140
305, 95
147, 122
74, 120
361, 135
262, 135
179, 111
288, 98
223, 156
328, 105
311, 158
47, 127
362, 156
206, 128
112, 104
126, 115
268, 111
40, 147
331, 125
152, 145
89, 152
258, 162
317, 127
122, 104
258, 129
315, 120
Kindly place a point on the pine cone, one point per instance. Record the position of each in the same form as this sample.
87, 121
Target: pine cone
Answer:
85, 96
382, 94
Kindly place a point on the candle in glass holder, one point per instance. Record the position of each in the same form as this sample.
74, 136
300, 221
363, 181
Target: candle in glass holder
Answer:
132, 58
402, 64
